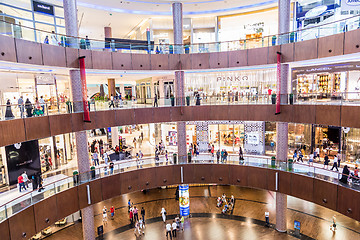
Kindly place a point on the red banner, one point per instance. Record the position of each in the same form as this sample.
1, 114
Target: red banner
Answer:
84, 89
278, 87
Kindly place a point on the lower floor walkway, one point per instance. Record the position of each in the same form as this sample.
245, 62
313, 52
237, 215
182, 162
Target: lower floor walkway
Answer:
247, 218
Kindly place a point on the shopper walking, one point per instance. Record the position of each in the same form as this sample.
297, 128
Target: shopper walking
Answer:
168, 230
335, 164
21, 106
136, 215
8, 112
87, 42
345, 174
111, 104
182, 221
143, 214
156, 100
163, 214
28, 107
111, 167
326, 161
25, 179
95, 158
112, 212
42, 104
129, 205
218, 156
104, 215
174, 225
21, 183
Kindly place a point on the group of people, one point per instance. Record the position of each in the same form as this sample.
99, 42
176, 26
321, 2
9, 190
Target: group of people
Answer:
172, 227
36, 180
115, 101
37, 109
104, 212
223, 155
135, 221
226, 204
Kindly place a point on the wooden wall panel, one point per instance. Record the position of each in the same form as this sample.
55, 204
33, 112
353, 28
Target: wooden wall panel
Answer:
88, 57
53, 55
306, 50
331, 45
129, 181
121, 61
45, 213
162, 114
325, 194
271, 179
143, 115
12, 131
174, 62
299, 116
7, 49
28, 52
302, 187
261, 112
220, 174
4, 230
237, 112
188, 171
148, 178
200, 61
350, 116
219, 60
60, 124
111, 186
105, 119
329, 115
176, 113
37, 127
185, 61
258, 56
352, 42
68, 202
238, 58
164, 175
287, 114
218, 112
140, 61
124, 117
284, 182
101, 60
159, 61
272, 58
238, 176
287, 52
95, 193
22, 223
203, 173
257, 177
348, 202
72, 57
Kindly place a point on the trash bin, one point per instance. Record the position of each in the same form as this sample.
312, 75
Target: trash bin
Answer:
189, 157
273, 162
273, 98
76, 177
291, 98
290, 165
175, 158
92, 170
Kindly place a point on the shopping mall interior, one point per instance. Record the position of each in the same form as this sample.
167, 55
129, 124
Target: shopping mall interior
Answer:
184, 119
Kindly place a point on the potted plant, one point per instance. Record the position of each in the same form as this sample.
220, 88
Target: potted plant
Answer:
290, 165
291, 98
187, 100
273, 162
172, 100
273, 98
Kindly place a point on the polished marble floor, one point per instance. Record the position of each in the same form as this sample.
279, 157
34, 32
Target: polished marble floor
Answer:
250, 204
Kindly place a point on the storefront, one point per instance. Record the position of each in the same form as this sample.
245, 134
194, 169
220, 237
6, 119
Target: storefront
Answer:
24, 16
327, 82
239, 85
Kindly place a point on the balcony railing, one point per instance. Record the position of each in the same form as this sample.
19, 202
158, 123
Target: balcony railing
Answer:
307, 33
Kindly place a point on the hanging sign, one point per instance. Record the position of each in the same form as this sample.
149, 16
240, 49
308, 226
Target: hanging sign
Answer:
43, 8
348, 5
184, 200
84, 89
278, 87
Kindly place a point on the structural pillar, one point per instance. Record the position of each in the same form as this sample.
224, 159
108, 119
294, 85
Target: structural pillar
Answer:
179, 79
114, 137
71, 22
282, 127
111, 87
108, 32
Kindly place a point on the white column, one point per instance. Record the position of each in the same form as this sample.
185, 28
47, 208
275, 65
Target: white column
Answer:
114, 137
71, 22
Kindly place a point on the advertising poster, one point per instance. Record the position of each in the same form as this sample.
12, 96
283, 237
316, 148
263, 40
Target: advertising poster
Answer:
22, 157
184, 200
172, 138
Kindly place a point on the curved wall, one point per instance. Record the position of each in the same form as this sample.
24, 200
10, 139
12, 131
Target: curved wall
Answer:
22, 51
20, 130
42, 214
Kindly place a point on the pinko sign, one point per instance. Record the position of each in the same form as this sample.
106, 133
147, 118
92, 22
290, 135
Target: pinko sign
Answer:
347, 5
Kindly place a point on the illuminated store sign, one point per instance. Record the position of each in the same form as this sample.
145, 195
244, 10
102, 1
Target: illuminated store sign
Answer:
43, 8
348, 5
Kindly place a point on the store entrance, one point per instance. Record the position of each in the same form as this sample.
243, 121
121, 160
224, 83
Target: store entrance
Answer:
327, 139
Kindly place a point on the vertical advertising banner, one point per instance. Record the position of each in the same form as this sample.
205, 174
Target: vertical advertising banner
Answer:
22, 157
84, 89
278, 87
184, 200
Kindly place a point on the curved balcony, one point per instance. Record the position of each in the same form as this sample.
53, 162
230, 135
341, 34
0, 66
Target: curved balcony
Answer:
60, 122
34, 211
205, 56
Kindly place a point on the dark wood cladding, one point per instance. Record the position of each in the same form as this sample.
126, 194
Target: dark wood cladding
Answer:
20, 130
44, 213
22, 51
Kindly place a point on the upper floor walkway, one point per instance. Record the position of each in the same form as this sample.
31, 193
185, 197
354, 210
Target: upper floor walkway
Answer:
258, 51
